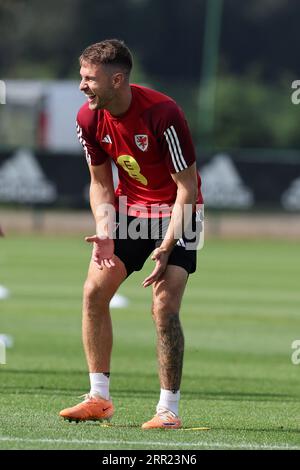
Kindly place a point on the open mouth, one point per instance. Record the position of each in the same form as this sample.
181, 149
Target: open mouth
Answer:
90, 98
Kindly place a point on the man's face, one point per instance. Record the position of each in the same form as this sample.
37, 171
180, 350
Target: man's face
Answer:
97, 84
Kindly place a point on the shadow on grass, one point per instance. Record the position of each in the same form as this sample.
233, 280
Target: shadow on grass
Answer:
228, 387
127, 393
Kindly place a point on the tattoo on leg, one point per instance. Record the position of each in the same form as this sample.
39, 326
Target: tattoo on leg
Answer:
170, 349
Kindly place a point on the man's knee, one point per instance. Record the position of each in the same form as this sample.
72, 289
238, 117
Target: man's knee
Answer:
94, 294
164, 305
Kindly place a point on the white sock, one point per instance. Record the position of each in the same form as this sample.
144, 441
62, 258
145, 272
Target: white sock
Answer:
168, 400
99, 385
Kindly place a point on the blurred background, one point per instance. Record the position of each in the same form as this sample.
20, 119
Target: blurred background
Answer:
230, 65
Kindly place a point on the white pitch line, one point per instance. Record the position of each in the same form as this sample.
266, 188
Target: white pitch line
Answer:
220, 445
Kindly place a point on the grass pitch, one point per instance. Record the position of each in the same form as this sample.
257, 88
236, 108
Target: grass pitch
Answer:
241, 314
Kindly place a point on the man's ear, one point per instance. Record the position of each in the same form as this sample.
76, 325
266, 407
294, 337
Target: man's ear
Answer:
118, 79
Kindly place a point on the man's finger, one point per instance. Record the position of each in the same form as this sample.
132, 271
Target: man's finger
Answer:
92, 239
107, 263
154, 276
147, 282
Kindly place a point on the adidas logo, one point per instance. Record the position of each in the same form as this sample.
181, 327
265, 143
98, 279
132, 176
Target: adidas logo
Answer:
107, 139
22, 180
223, 186
290, 199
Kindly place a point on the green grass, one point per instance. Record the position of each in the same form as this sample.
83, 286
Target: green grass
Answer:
240, 316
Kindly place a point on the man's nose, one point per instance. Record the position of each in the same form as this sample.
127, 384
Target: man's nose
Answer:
82, 85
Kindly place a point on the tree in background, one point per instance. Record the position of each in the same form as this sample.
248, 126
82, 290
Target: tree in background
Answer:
257, 54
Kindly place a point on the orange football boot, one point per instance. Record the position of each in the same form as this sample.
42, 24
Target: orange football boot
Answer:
93, 408
163, 419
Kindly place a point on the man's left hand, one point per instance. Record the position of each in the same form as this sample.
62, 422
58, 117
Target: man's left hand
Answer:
160, 256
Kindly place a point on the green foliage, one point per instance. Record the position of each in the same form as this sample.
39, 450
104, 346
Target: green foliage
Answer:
42, 40
250, 113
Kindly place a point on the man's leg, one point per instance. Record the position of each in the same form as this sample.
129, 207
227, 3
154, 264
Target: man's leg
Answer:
99, 288
167, 296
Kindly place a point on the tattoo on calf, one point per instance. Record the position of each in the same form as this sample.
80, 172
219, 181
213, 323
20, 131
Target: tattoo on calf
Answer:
170, 349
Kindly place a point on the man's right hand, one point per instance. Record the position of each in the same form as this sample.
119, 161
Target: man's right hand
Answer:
103, 251
1, 232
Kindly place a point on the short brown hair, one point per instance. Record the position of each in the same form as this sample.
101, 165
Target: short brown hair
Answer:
109, 52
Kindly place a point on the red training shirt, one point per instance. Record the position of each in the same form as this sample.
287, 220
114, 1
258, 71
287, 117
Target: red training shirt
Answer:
147, 143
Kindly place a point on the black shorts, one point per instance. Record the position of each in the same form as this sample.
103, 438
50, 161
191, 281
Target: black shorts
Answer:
136, 238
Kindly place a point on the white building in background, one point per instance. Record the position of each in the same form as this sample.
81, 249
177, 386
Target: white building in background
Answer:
41, 114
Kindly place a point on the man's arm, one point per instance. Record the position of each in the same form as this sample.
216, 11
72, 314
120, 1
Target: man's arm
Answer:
102, 200
187, 192
101, 189
102, 195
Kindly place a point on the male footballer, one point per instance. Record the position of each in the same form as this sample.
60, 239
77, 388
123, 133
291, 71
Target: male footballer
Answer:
146, 135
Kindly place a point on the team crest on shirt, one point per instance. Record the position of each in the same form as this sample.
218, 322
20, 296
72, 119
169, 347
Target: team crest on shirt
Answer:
141, 141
